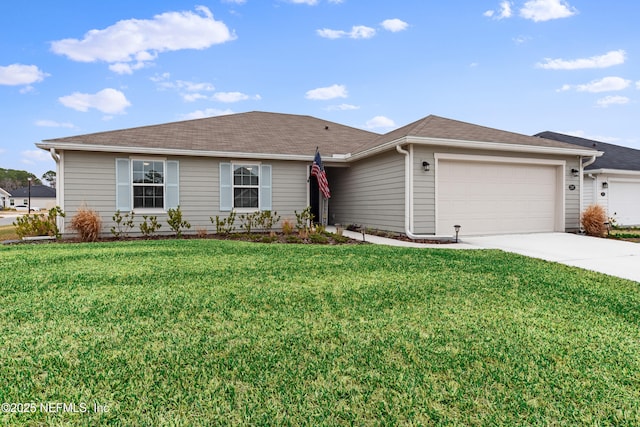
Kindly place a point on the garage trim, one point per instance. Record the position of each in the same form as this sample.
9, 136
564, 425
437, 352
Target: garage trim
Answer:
560, 181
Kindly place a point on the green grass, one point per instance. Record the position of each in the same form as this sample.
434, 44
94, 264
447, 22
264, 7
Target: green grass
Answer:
207, 332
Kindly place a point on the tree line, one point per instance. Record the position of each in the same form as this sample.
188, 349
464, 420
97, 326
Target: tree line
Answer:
10, 179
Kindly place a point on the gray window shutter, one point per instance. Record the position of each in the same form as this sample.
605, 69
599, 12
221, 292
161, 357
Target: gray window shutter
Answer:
265, 187
123, 185
172, 185
226, 191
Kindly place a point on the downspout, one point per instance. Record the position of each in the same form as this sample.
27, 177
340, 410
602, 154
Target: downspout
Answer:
408, 195
59, 185
589, 162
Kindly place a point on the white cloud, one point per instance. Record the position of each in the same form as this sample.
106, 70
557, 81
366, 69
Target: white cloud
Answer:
607, 84
342, 107
235, 1
546, 10
19, 74
609, 59
233, 97
54, 124
504, 12
31, 157
521, 39
131, 44
209, 112
309, 2
394, 25
380, 122
189, 91
613, 100
326, 93
357, 32
108, 101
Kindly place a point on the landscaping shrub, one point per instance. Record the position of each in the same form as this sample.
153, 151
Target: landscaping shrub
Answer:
124, 224
288, 227
150, 225
224, 226
593, 221
87, 223
176, 222
39, 224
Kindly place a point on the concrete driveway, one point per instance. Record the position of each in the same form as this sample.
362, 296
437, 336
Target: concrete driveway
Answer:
7, 217
613, 257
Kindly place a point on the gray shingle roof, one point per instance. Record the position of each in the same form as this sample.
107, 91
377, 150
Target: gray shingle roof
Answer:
288, 134
36, 191
253, 132
443, 128
615, 156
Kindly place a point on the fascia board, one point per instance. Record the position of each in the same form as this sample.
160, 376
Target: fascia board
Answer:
610, 172
177, 152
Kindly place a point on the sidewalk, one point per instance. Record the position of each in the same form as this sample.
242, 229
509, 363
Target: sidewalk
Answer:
394, 242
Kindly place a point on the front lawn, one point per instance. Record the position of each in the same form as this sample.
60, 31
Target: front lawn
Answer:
208, 332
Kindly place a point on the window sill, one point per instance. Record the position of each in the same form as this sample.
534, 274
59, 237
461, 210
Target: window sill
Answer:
143, 211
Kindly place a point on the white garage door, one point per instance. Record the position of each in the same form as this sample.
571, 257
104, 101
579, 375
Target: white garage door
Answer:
497, 198
624, 202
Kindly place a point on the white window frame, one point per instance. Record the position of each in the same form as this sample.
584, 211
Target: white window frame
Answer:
234, 166
163, 185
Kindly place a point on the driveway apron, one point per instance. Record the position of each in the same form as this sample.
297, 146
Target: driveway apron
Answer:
613, 257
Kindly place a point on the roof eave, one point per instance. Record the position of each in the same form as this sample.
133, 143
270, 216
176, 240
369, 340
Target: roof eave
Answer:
604, 171
46, 145
497, 146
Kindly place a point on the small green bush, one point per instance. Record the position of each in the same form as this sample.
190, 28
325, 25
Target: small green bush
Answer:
175, 221
124, 224
39, 224
150, 225
224, 226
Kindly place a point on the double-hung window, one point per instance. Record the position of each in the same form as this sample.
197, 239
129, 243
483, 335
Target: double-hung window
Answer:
151, 184
148, 184
246, 186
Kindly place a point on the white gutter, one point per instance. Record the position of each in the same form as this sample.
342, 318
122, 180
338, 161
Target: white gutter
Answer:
54, 155
612, 172
408, 195
590, 161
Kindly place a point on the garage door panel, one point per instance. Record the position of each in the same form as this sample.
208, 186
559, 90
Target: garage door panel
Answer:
486, 197
624, 202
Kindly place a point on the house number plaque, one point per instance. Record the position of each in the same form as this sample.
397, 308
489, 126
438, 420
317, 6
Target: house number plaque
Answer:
572, 187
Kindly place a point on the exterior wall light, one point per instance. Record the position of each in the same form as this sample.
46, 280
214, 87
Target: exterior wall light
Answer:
426, 166
457, 228
605, 185
575, 172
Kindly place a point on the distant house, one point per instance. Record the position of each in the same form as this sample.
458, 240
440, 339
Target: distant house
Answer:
42, 197
420, 180
612, 181
4, 198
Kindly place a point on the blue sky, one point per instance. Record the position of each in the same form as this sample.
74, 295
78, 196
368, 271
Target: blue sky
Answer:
69, 67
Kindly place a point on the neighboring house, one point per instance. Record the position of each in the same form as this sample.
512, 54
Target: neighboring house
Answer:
612, 181
4, 198
486, 180
42, 197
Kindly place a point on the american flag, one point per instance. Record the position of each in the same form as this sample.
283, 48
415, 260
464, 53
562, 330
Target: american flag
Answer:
317, 170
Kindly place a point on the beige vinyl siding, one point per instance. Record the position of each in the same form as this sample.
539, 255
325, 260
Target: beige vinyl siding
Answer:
369, 192
89, 181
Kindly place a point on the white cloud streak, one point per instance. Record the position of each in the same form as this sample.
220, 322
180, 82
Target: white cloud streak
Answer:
19, 74
54, 124
504, 12
394, 25
327, 93
131, 44
380, 122
209, 112
546, 10
357, 32
612, 100
108, 101
609, 59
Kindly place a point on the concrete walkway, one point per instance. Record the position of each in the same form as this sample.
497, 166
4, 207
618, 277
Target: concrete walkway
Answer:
614, 257
394, 242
